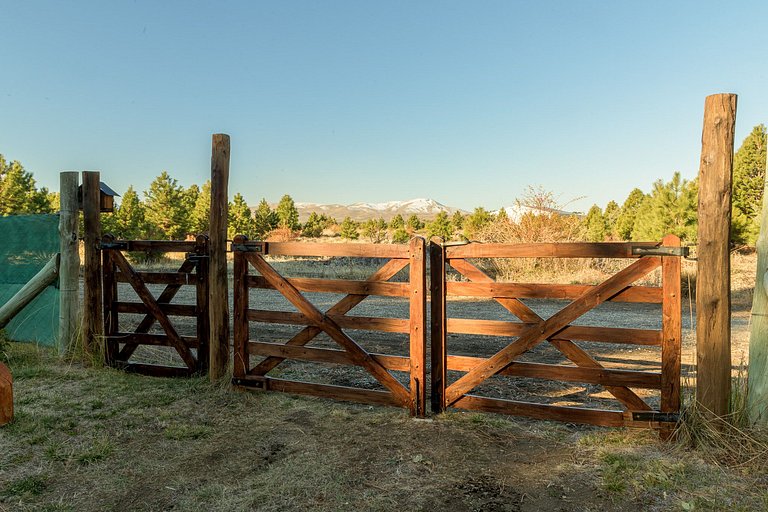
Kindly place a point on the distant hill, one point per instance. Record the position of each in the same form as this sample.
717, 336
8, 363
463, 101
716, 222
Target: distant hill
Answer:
425, 209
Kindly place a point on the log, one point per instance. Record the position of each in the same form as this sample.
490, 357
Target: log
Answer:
713, 281
45, 277
757, 400
218, 305
69, 266
6, 395
93, 324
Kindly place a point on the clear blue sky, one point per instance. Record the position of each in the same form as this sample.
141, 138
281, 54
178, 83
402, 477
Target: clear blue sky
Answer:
463, 102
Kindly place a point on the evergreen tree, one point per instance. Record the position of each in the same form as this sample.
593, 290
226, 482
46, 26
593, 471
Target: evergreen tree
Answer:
477, 220
18, 191
670, 208
595, 224
397, 222
375, 230
458, 221
240, 219
748, 182
400, 236
626, 219
414, 223
502, 216
201, 211
166, 208
287, 214
611, 217
264, 220
314, 226
440, 227
349, 229
129, 220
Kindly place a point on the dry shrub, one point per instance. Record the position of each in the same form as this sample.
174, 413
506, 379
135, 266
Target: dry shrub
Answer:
282, 235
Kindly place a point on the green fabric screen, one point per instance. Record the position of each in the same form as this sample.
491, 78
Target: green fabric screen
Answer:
27, 243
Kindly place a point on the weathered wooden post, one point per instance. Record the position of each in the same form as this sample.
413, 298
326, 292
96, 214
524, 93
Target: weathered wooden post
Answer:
69, 265
757, 399
218, 303
6, 395
713, 280
93, 325
418, 325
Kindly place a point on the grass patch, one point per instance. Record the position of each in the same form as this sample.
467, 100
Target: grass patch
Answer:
28, 486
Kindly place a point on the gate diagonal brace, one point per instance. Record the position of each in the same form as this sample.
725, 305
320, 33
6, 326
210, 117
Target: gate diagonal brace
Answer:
549, 328
355, 351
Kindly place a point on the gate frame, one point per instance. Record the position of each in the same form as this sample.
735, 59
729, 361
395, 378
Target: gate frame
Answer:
331, 322
156, 309
636, 412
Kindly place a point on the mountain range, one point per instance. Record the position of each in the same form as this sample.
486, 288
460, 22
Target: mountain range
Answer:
425, 209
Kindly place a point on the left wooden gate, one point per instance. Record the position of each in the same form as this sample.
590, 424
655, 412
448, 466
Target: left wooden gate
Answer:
190, 352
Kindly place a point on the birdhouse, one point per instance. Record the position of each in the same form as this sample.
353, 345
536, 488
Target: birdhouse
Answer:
106, 198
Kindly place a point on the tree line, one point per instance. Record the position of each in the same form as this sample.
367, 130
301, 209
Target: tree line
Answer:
167, 210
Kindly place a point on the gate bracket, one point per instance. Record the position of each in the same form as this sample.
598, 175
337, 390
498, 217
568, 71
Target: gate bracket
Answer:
260, 247
655, 416
660, 251
120, 246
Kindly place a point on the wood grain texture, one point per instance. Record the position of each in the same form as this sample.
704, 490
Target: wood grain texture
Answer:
671, 329
758, 334
218, 299
438, 351
324, 355
69, 265
93, 324
713, 282
417, 314
645, 294
6, 395
547, 250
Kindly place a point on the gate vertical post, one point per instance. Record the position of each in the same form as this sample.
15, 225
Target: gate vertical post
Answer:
671, 329
240, 306
438, 325
92, 316
201, 302
418, 325
713, 280
111, 318
69, 266
218, 299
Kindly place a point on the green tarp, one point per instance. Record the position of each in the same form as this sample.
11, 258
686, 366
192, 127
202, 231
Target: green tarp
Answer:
27, 243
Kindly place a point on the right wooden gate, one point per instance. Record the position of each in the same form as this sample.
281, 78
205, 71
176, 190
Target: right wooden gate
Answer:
643, 393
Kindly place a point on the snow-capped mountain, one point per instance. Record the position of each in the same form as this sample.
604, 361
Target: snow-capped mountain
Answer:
516, 211
421, 207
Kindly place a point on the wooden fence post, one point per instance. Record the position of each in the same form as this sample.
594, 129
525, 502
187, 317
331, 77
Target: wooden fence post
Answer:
713, 279
93, 324
757, 399
218, 304
6, 395
418, 325
69, 266
437, 319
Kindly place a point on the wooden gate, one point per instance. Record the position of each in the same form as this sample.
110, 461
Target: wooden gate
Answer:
121, 344
333, 322
530, 329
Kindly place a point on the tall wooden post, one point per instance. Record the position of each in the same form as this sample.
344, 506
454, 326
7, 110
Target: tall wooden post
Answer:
713, 280
438, 333
69, 265
418, 325
218, 304
93, 324
757, 399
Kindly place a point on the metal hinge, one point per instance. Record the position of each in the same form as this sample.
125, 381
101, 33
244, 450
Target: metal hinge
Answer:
660, 251
120, 246
655, 416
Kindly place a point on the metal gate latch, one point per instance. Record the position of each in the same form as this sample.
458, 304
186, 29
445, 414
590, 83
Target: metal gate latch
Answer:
660, 251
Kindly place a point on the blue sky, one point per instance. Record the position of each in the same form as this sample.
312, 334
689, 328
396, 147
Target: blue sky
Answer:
464, 102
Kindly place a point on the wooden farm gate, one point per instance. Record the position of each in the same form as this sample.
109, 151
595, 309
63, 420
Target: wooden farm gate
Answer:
529, 330
121, 344
333, 322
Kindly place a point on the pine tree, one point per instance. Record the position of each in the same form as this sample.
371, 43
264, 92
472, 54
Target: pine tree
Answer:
670, 208
595, 224
375, 230
400, 236
414, 223
349, 229
240, 219
129, 220
476, 221
748, 181
440, 227
611, 217
458, 221
264, 220
287, 214
166, 208
314, 226
397, 222
18, 191
502, 215
625, 222
201, 211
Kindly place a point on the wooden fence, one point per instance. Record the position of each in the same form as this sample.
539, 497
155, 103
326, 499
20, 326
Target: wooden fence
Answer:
334, 321
193, 272
531, 330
